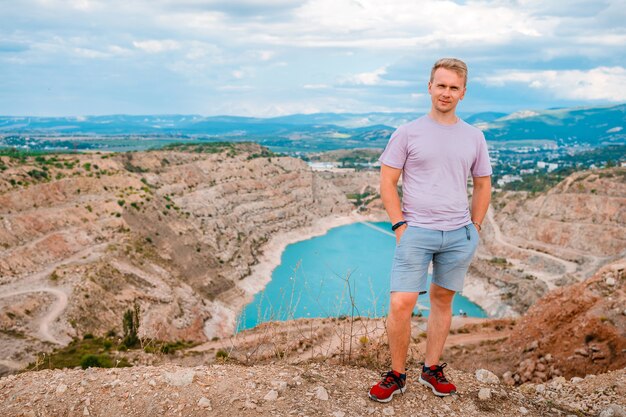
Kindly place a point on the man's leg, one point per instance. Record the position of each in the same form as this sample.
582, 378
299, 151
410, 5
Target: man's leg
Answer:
439, 320
449, 268
399, 327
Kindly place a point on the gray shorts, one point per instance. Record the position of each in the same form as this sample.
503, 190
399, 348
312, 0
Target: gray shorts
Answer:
450, 252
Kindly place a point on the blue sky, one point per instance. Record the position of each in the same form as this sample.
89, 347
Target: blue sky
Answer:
275, 57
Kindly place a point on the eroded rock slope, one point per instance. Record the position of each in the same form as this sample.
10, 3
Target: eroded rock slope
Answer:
84, 236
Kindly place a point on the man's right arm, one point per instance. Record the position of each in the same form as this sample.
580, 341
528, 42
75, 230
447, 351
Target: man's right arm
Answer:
389, 177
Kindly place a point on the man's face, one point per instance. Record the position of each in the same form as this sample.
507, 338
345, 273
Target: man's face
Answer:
446, 89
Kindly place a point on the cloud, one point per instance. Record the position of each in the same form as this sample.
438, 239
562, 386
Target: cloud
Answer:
331, 55
374, 78
607, 39
237, 8
238, 74
90, 53
601, 83
156, 46
316, 86
266, 55
236, 88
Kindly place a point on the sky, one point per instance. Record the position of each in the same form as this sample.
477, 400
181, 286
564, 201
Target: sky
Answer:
275, 57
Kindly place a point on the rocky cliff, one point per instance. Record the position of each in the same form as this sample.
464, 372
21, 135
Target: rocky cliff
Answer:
85, 236
535, 243
581, 220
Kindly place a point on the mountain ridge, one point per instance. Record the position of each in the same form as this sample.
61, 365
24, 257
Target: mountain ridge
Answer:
594, 126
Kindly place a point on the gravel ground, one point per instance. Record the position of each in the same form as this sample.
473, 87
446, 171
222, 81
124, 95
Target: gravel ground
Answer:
280, 389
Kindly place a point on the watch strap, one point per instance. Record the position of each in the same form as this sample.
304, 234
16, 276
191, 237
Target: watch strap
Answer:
400, 223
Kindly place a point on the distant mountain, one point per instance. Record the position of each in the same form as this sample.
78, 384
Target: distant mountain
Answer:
194, 124
303, 132
349, 120
592, 126
484, 117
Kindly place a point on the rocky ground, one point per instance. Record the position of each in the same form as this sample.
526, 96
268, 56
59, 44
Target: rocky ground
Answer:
280, 389
95, 233
573, 331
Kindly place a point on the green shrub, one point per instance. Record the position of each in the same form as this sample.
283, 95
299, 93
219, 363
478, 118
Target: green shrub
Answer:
90, 361
38, 175
130, 323
95, 361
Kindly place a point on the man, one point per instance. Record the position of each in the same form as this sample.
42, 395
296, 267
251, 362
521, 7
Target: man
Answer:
435, 155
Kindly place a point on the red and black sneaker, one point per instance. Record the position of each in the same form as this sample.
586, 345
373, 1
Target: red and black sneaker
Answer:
434, 379
391, 384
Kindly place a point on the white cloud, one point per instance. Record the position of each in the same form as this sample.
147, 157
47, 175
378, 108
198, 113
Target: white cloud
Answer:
196, 50
90, 53
266, 55
154, 46
606, 39
118, 50
375, 78
236, 88
601, 83
399, 24
333, 55
316, 86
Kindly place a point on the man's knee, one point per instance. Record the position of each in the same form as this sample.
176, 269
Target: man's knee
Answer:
441, 297
402, 304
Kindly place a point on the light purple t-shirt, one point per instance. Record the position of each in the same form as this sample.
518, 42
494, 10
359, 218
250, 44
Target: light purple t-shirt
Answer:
436, 161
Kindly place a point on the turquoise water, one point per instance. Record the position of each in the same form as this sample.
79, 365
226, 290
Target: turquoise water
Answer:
319, 277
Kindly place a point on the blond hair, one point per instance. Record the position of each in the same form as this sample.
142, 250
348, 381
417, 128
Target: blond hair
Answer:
452, 64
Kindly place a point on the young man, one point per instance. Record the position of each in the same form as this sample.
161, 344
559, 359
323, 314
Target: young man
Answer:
435, 155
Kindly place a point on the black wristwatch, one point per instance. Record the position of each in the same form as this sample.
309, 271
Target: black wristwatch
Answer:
395, 226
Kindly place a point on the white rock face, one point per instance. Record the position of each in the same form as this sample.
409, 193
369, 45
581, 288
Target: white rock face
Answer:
487, 377
272, 395
204, 403
613, 410
321, 393
484, 394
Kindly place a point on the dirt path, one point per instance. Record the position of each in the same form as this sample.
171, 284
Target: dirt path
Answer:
470, 338
37, 282
51, 315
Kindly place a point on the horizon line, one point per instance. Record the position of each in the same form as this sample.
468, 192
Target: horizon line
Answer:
76, 116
